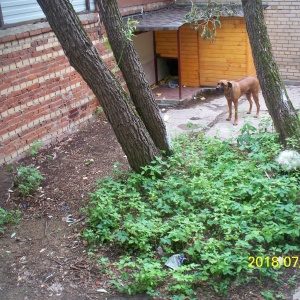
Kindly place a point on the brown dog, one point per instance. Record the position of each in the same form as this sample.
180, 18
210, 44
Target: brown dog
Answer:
233, 90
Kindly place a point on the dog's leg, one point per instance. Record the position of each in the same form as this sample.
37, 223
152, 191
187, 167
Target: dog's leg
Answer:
248, 95
235, 112
256, 100
229, 102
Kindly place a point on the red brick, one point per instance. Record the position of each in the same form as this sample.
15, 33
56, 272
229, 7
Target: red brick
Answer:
6, 39
33, 87
46, 29
7, 62
4, 86
56, 48
36, 54
47, 51
4, 56
25, 56
31, 50
15, 94
9, 74
31, 77
42, 42
22, 35
35, 32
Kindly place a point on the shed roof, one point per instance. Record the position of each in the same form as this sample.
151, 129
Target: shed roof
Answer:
170, 18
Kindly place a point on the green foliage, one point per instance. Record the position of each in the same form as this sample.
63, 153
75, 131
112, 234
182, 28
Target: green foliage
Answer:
293, 143
28, 180
9, 168
215, 202
99, 110
128, 32
142, 275
268, 295
130, 28
35, 147
208, 18
7, 217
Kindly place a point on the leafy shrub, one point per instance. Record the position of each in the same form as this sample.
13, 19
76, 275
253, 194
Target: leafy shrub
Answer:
215, 202
6, 217
35, 147
28, 180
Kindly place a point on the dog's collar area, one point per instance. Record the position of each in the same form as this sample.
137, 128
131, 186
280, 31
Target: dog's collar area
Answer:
230, 93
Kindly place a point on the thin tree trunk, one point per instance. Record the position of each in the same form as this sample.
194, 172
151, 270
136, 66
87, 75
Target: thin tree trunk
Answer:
132, 70
284, 116
129, 129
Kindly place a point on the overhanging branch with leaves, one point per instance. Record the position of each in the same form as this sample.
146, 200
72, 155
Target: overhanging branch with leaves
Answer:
207, 18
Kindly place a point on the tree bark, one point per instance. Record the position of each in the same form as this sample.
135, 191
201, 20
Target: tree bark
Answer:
284, 116
132, 70
128, 127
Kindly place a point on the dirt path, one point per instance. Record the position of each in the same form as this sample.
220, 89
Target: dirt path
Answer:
44, 256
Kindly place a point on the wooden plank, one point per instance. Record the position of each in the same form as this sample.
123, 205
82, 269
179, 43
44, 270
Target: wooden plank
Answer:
228, 56
189, 56
166, 43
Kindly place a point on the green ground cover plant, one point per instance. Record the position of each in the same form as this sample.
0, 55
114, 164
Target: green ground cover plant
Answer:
28, 180
35, 147
7, 217
217, 202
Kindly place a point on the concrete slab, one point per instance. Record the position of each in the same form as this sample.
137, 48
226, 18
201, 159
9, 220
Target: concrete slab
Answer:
189, 119
210, 115
296, 295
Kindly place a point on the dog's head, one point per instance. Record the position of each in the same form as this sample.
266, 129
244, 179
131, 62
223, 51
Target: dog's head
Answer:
223, 86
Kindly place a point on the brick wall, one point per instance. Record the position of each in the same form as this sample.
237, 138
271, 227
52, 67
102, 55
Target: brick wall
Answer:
283, 23
41, 96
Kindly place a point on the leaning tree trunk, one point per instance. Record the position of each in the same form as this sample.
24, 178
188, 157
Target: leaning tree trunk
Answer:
132, 70
129, 129
284, 116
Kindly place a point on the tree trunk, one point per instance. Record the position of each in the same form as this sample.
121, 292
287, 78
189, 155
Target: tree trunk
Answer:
132, 70
129, 129
284, 116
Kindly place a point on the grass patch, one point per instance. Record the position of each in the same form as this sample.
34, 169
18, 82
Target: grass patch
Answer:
215, 202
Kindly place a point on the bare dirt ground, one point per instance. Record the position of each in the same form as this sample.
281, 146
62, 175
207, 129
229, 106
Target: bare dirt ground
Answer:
44, 256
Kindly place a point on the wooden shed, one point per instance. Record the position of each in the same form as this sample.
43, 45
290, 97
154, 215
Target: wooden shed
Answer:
203, 63
200, 63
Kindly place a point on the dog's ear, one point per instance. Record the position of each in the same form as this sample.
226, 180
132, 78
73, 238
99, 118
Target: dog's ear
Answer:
229, 84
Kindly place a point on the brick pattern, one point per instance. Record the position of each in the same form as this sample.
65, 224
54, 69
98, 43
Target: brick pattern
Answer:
283, 23
41, 96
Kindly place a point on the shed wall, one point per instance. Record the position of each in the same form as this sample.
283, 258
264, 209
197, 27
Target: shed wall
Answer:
205, 63
283, 24
229, 57
166, 43
189, 56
